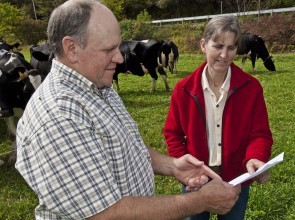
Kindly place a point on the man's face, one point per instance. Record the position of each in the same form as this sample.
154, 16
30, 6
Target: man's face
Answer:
98, 60
220, 53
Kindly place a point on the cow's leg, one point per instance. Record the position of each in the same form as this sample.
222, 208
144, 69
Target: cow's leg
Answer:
12, 157
11, 126
171, 67
175, 67
253, 60
11, 121
244, 58
5, 109
154, 83
166, 83
154, 76
164, 77
11, 129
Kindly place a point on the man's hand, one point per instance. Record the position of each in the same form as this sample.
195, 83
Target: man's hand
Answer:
219, 197
252, 165
192, 172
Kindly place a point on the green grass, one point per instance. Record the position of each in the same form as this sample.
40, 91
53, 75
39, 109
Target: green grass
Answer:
273, 200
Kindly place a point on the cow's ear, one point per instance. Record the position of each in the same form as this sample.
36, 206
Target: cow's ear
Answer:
69, 47
203, 45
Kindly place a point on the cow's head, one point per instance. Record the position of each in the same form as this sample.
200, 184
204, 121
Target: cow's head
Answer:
31, 83
269, 63
13, 67
133, 64
8, 47
41, 57
173, 56
263, 53
165, 51
42, 52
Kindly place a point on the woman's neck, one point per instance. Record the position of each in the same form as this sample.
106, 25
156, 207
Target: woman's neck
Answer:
215, 80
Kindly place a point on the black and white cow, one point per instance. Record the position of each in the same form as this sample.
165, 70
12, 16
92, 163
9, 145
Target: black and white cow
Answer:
152, 55
131, 64
9, 47
18, 81
173, 57
253, 47
41, 58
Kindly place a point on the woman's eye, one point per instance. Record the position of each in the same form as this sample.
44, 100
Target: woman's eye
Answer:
232, 48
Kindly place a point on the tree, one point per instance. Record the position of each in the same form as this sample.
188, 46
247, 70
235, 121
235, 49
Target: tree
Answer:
139, 29
133, 7
117, 7
10, 18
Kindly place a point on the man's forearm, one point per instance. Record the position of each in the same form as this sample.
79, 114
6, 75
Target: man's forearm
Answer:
162, 164
153, 207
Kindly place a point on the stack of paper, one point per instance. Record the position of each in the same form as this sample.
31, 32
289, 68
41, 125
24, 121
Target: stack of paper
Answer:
247, 176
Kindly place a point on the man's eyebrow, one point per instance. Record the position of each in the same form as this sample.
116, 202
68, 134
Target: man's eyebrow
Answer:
110, 47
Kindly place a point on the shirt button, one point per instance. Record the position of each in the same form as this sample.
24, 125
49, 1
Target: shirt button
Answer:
218, 125
217, 106
219, 144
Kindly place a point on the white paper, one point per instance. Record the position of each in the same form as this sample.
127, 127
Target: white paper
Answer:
246, 176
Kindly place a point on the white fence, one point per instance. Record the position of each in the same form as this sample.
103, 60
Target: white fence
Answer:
269, 11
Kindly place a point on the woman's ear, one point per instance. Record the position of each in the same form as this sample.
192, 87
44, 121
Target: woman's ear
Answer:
203, 45
69, 47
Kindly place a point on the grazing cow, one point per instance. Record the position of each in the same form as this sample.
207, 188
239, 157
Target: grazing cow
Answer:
131, 64
18, 81
173, 57
152, 55
41, 58
255, 45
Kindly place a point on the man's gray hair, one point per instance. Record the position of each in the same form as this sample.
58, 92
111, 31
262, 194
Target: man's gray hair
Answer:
69, 19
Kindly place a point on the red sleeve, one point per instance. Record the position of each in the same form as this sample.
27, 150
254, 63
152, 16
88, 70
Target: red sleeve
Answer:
173, 133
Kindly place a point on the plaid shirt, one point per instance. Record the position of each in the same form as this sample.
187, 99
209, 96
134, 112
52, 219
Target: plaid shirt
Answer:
79, 149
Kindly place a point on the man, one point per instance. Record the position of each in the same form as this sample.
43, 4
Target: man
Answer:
80, 150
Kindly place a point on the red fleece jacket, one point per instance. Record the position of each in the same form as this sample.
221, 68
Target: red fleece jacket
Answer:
245, 130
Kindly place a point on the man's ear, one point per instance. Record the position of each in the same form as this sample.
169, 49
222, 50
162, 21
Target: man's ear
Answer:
69, 47
203, 45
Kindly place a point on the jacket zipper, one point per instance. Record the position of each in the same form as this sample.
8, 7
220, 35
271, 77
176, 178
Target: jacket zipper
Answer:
232, 91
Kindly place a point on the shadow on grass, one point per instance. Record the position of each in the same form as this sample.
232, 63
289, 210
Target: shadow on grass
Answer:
266, 72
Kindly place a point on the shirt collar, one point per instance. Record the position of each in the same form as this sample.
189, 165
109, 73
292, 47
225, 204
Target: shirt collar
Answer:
225, 85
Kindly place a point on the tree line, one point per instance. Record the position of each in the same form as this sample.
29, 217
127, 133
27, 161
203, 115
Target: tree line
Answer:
26, 20
158, 9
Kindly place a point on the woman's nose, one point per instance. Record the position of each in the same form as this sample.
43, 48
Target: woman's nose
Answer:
224, 53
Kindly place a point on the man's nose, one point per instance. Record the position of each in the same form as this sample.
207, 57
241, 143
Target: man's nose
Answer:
118, 58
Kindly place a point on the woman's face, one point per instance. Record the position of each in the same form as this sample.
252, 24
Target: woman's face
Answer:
220, 53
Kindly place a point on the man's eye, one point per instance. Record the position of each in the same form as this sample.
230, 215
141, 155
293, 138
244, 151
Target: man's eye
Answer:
218, 46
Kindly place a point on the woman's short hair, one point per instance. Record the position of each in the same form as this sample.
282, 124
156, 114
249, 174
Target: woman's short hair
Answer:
221, 24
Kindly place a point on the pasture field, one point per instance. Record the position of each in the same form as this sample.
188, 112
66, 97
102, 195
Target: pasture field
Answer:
274, 200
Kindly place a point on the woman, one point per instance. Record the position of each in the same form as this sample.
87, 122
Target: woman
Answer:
218, 114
